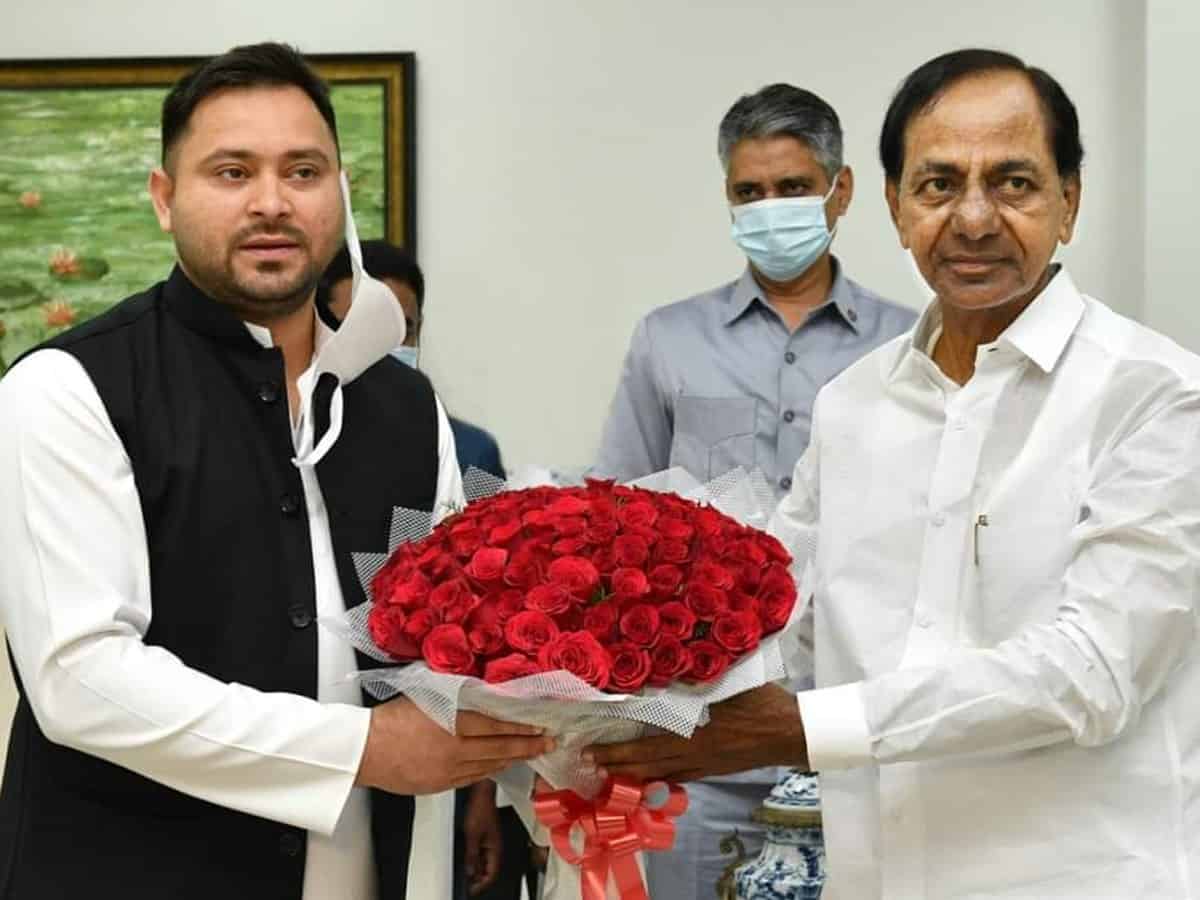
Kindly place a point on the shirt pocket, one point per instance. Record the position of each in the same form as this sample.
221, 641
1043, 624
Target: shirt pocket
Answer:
713, 434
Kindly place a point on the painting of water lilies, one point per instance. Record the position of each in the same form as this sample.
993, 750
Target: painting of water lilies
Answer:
77, 143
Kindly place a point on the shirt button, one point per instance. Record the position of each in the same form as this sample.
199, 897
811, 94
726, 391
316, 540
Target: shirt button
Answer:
268, 392
289, 844
300, 617
786, 483
852, 315
289, 505
789, 357
939, 520
925, 621
789, 416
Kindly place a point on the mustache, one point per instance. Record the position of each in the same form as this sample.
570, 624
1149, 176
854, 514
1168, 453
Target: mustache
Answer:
279, 231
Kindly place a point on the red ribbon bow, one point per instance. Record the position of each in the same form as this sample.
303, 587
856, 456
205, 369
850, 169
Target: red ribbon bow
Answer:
625, 817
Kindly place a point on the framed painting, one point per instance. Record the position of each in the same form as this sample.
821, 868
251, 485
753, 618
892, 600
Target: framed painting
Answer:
78, 139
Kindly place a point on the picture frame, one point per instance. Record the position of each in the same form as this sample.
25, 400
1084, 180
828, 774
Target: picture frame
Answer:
80, 137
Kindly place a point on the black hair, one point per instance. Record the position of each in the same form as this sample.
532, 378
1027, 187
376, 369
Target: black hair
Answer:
381, 260
926, 83
251, 65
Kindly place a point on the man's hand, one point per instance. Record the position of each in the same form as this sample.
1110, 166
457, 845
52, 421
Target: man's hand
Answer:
481, 833
409, 753
758, 728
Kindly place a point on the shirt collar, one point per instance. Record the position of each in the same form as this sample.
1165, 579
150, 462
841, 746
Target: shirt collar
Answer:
746, 292
1040, 333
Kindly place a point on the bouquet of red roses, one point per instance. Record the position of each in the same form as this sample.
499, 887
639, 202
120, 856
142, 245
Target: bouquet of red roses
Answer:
593, 612
617, 585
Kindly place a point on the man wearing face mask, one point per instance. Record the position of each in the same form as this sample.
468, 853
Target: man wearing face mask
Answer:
396, 268
728, 378
185, 478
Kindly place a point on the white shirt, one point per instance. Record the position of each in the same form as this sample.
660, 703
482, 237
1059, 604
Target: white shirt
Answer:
1005, 624
76, 604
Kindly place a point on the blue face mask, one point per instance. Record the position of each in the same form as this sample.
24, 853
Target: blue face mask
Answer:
783, 236
407, 355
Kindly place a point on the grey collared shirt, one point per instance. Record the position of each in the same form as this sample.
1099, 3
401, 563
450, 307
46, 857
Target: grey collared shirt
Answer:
718, 381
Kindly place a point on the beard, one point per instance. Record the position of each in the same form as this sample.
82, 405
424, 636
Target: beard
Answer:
259, 291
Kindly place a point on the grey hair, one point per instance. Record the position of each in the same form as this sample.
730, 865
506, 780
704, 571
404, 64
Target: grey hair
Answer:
783, 110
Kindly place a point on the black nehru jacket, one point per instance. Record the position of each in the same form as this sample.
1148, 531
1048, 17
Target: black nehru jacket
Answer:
202, 411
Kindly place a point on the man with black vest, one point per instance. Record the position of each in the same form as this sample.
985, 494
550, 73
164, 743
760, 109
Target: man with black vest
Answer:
184, 480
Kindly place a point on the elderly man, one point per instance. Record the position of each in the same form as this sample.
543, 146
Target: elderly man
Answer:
728, 378
1005, 511
184, 481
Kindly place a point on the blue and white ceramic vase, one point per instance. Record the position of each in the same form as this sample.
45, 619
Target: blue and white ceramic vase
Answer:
792, 863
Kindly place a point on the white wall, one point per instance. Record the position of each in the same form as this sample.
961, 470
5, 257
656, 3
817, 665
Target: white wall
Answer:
1172, 198
568, 180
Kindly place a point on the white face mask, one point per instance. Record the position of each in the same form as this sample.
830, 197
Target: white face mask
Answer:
783, 236
410, 356
375, 323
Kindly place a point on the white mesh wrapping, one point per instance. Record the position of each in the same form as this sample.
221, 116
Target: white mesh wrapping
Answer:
577, 714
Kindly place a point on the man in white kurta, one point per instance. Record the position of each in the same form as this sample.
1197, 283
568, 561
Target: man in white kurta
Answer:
1004, 511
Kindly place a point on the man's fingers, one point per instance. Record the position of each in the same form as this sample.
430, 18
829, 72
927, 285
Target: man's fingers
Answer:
472, 724
664, 746
660, 770
508, 749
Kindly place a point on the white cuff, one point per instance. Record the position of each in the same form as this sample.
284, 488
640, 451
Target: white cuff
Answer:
835, 727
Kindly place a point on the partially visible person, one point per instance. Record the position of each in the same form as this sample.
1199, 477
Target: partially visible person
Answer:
728, 378
397, 268
492, 851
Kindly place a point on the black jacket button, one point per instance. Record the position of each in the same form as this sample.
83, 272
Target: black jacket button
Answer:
299, 616
289, 505
268, 392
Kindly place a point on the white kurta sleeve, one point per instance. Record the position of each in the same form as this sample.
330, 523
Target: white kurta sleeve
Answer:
75, 600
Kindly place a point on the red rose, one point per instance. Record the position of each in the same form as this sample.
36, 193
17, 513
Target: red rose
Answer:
579, 653
436, 562
709, 572
447, 649
640, 624
576, 574
549, 598
504, 532
465, 539
669, 660
666, 579
706, 601
419, 624
740, 601
488, 639
602, 532
776, 597
630, 667
749, 577
568, 506
639, 513
737, 632
487, 564
628, 583
675, 529
709, 661
453, 600
676, 620
412, 593
523, 570
569, 526
509, 603
601, 619
631, 550
386, 625
568, 546
673, 552
506, 668
747, 551
708, 522
530, 630
773, 548
604, 561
